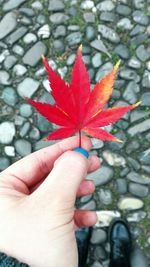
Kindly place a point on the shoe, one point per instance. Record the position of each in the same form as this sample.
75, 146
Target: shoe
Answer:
83, 237
120, 244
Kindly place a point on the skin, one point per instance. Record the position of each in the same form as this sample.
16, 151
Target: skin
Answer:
38, 218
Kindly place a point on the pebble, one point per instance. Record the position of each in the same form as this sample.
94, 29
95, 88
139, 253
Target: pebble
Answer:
41, 19
33, 55
56, 5
114, 159
97, 60
99, 45
7, 132
27, 87
16, 35
97, 264
25, 110
137, 115
37, 5
105, 196
105, 217
91, 205
23, 147
4, 77
108, 33
58, 46
90, 33
129, 203
97, 144
146, 80
60, 31
58, 18
101, 176
18, 50
89, 17
121, 186
99, 253
145, 157
107, 16
125, 24
103, 71
130, 93
98, 236
85, 199
138, 258
9, 62
136, 216
129, 74
106, 5
4, 163
44, 32
137, 30
74, 38
9, 151
122, 51
140, 17
34, 133
134, 63
19, 70
71, 59
9, 96
30, 38
43, 125
8, 24
12, 4
139, 4
123, 10
142, 53
138, 190
24, 129
139, 128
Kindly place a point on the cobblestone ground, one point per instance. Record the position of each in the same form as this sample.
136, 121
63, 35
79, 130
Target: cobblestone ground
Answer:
108, 30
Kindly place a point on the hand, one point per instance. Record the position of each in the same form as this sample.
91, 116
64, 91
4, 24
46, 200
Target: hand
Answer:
37, 199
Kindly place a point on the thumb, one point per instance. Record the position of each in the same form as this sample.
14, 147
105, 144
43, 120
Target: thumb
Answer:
68, 172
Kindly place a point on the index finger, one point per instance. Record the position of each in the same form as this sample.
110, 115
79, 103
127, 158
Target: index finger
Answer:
37, 165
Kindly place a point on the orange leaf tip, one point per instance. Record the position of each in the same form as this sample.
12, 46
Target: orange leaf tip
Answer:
118, 140
136, 104
80, 48
43, 57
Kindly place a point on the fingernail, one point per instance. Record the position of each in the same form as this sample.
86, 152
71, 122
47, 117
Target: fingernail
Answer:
82, 151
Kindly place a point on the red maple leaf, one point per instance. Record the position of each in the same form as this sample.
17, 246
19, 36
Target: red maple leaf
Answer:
77, 108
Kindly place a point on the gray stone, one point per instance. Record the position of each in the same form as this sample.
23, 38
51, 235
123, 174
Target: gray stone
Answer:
123, 10
8, 24
9, 62
7, 132
140, 17
29, 12
138, 40
129, 74
34, 133
139, 128
113, 159
73, 28
27, 87
130, 203
74, 38
101, 176
104, 70
138, 190
137, 30
97, 144
29, 38
89, 17
23, 147
16, 35
9, 151
108, 33
58, 46
108, 17
18, 50
97, 264
142, 53
19, 70
130, 92
97, 60
122, 51
37, 5
90, 33
58, 18
91, 205
134, 164
4, 163
105, 196
145, 99
138, 258
25, 129
134, 63
60, 31
146, 79
99, 253
71, 59
12, 4
55, 5
139, 4
99, 45
137, 115
125, 24
43, 125
9, 96
86, 199
146, 168
41, 19
137, 178
25, 110
136, 216
132, 146
106, 5
4, 77
33, 55
87, 4
121, 186
145, 157
98, 236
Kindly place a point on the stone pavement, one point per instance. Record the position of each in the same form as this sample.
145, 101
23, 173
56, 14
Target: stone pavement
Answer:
108, 30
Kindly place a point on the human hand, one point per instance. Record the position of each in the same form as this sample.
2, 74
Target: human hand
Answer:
37, 198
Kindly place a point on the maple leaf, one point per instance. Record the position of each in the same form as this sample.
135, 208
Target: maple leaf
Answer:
77, 108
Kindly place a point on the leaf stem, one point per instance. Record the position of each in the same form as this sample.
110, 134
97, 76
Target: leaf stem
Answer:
79, 138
